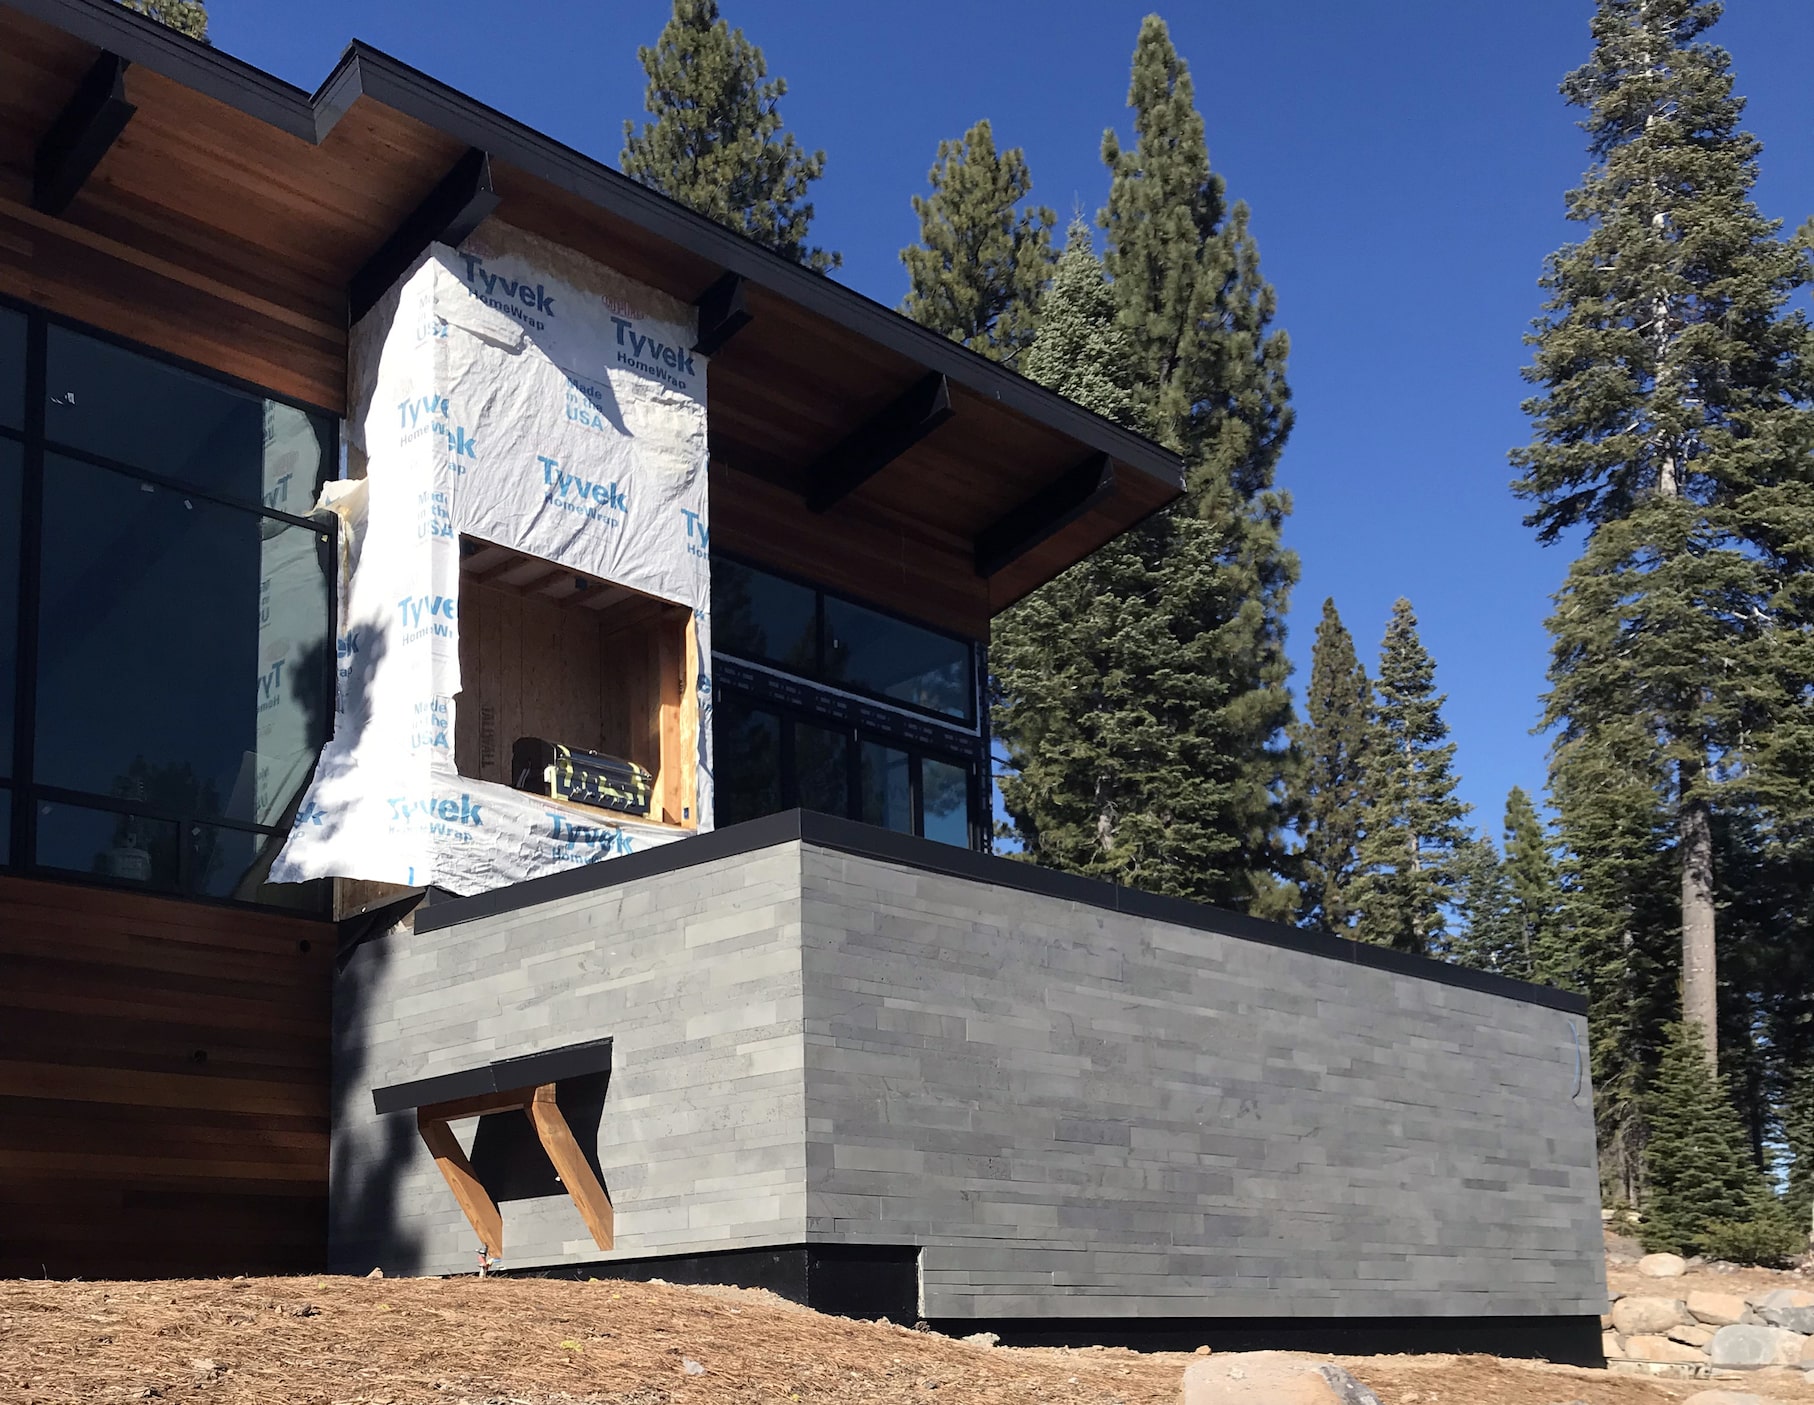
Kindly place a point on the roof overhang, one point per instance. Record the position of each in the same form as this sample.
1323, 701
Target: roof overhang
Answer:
822, 393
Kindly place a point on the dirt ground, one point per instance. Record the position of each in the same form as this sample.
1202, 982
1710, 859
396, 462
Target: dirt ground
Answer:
350, 1341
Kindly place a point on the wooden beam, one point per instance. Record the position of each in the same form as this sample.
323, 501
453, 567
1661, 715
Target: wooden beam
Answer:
1045, 514
449, 212
477, 1106
85, 129
879, 443
723, 312
570, 1164
480, 1209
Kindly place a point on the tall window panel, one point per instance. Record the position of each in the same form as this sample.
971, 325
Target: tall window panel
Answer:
168, 598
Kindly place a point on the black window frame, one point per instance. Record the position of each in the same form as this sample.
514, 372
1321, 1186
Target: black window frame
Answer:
819, 677
19, 787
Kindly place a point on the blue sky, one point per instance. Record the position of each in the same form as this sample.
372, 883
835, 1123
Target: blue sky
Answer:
1406, 162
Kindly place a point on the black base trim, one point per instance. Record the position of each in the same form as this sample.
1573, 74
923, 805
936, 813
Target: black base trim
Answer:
882, 1280
843, 1280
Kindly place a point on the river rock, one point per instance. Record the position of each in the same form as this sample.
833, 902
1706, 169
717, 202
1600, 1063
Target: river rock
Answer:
1793, 1319
1696, 1336
1740, 1345
1610, 1348
1718, 1309
1662, 1265
1784, 1297
1647, 1316
1663, 1349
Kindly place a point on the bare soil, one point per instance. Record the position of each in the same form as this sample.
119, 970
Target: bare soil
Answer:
352, 1341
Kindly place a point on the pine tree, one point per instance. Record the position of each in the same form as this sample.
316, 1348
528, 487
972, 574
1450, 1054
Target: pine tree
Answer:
1536, 891
1105, 678
1491, 937
1706, 1193
977, 272
1408, 852
716, 143
1329, 797
1211, 383
1673, 431
184, 16
1798, 1138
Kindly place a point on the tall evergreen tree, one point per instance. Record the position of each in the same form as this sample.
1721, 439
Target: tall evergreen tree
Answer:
1536, 891
1106, 678
1798, 1139
1674, 433
1329, 797
1408, 851
1211, 384
1491, 937
982, 259
184, 16
715, 143
1706, 1194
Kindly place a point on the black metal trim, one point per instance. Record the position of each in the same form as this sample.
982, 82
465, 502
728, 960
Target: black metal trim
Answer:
83, 132
723, 312
867, 450
524, 1071
458, 205
365, 71
929, 856
1044, 515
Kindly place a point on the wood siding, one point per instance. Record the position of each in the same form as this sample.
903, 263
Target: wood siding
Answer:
163, 1085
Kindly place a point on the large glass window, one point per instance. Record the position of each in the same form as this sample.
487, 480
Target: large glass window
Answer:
820, 637
12, 369
180, 599
769, 758
11, 486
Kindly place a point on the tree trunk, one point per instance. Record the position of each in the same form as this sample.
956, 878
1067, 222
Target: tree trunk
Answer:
1700, 977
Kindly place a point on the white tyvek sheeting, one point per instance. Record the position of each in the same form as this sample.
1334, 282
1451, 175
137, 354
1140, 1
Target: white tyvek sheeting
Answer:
516, 392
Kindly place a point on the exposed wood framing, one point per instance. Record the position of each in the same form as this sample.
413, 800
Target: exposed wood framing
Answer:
1045, 514
82, 134
879, 443
542, 1106
449, 212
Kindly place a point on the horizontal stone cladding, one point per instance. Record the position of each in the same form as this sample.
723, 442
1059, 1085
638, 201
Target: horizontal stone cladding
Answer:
1081, 1113
695, 977
1072, 1112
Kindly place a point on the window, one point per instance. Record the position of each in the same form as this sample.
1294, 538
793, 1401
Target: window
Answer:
820, 637
176, 621
770, 757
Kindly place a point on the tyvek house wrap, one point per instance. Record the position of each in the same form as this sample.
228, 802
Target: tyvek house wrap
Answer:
517, 392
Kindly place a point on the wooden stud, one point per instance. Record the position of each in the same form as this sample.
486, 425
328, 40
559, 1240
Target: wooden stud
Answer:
570, 1164
480, 1209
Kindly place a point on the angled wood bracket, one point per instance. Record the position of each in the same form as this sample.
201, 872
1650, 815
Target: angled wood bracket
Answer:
1045, 514
87, 126
557, 1139
879, 443
723, 312
449, 212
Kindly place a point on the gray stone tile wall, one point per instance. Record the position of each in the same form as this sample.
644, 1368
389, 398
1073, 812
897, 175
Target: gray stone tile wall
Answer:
1074, 1112
1079, 1113
695, 977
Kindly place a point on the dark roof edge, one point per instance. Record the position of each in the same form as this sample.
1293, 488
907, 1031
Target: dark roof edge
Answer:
866, 841
363, 70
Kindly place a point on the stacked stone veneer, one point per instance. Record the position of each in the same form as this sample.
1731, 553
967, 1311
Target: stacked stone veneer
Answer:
1074, 1112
